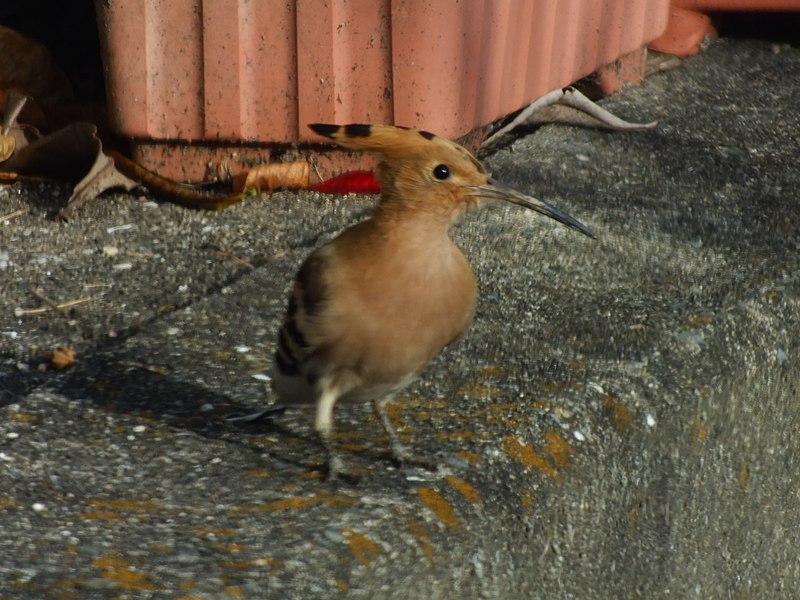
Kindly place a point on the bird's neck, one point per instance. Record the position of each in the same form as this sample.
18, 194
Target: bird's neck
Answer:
430, 218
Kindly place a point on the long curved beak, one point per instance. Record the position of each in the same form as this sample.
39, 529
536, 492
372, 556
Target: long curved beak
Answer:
498, 191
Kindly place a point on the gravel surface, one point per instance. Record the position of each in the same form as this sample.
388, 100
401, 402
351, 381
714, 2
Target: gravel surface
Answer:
618, 423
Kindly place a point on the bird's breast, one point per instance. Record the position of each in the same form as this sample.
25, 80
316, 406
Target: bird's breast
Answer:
399, 306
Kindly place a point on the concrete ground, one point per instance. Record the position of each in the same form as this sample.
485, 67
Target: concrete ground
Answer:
619, 423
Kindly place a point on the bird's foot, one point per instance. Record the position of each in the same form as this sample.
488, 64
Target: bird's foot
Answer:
252, 417
336, 471
402, 456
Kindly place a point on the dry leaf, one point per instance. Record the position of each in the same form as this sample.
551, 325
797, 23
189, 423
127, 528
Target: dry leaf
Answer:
7, 145
72, 153
65, 154
27, 67
566, 105
102, 176
273, 176
62, 357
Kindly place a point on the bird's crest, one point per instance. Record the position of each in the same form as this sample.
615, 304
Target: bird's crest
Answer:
392, 142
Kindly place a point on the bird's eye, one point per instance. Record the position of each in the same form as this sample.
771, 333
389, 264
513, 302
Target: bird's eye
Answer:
441, 172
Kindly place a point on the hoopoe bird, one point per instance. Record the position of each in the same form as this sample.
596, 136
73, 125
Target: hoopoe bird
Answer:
370, 309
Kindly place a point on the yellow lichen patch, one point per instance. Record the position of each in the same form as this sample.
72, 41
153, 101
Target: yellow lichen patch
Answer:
295, 503
111, 560
419, 532
527, 501
23, 417
477, 390
464, 488
621, 415
342, 585
697, 322
100, 515
495, 372
440, 506
364, 549
744, 477
234, 591
394, 410
459, 435
528, 456
421, 403
125, 505
506, 414
698, 433
215, 531
249, 565
557, 448
7, 503
468, 456
543, 405
229, 547
122, 574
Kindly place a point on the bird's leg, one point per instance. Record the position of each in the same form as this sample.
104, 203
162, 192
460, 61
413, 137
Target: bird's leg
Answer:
400, 453
323, 424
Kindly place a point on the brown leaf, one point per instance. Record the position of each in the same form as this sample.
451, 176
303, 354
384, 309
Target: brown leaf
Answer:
73, 153
27, 67
102, 176
62, 357
65, 154
14, 103
273, 176
7, 145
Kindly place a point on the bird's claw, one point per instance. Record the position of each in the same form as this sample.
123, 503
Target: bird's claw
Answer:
403, 457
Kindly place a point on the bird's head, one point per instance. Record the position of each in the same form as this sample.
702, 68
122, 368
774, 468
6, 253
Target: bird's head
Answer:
424, 173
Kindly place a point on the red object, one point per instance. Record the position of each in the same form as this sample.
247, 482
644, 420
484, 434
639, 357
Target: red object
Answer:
689, 27
742, 5
685, 34
352, 182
